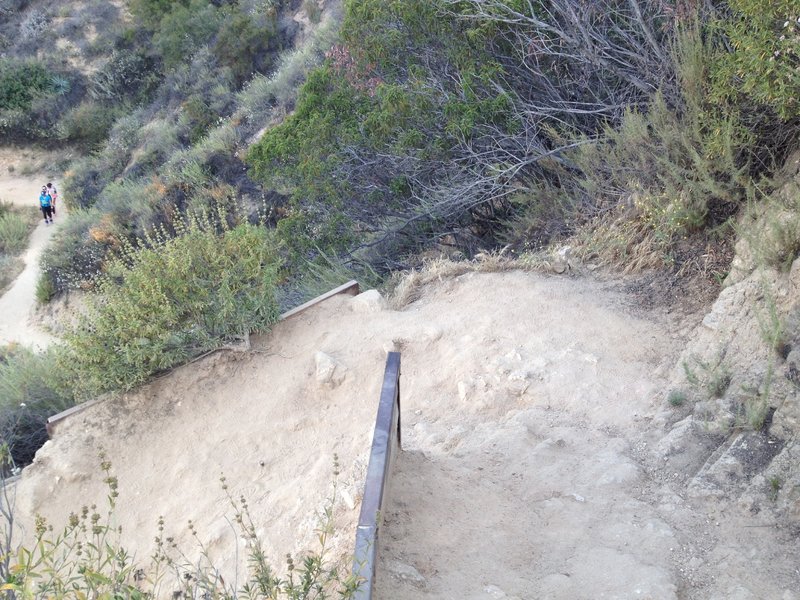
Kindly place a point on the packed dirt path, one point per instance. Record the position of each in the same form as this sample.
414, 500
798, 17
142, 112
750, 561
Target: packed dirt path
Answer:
517, 478
527, 414
17, 305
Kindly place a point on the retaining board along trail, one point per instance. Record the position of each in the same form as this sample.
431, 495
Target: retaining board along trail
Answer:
386, 444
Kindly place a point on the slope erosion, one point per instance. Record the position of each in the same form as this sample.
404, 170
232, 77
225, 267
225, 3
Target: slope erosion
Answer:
527, 409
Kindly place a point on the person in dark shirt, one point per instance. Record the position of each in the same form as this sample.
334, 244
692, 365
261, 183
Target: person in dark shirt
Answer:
46, 204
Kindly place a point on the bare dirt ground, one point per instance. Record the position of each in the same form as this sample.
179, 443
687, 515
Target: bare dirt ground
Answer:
528, 466
22, 174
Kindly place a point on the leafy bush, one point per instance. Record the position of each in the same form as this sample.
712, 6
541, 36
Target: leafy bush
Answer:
244, 46
150, 12
185, 29
163, 303
20, 83
200, 117
88, 123
264, 94
32, 389
158, 139
75, 256
764, 38
127, 75
45, 289
32, 98
661, 174
676, 397
84, 181
376, 156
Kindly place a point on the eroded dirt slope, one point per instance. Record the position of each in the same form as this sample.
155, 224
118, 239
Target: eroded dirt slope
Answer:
528, 405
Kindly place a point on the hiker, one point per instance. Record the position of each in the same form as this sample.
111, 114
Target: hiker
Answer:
46, 204
51, 189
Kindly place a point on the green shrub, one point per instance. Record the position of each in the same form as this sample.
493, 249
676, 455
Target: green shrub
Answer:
665, 174
128, 209
84, 182
676, 397
150, 12
244, 46
14, 232
88, 123
77, 251
764, 42
328, 272
122, 140
158, 305
259, 98
185, 29
45, 289
31, 99
126, 75
200, 117
158, 139
32, 389
693, 158
21, 83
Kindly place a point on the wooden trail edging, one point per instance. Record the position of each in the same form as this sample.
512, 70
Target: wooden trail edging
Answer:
351, 288
386, 442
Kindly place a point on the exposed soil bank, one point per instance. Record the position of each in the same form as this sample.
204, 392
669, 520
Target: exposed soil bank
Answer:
527, 417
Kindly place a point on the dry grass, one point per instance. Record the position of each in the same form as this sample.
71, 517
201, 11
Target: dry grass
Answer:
404, 288
10, 268
622, 242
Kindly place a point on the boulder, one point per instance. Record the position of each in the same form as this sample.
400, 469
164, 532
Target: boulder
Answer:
330, 372
370, 301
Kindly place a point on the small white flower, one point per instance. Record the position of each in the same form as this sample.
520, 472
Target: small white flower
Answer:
786, 24
22, 404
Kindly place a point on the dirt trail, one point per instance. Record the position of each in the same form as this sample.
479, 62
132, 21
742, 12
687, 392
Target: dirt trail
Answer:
18, 304
517, 480
524, 473
527, 412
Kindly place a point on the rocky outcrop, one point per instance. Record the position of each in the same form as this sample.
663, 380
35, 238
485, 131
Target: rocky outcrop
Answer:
733, 415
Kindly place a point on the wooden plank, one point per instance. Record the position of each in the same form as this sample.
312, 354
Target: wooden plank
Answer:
55, 419
385, 445
351, 287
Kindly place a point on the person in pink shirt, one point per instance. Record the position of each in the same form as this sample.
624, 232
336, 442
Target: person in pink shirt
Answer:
51, 189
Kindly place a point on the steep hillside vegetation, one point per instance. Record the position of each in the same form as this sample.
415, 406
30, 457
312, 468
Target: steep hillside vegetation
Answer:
644, 125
